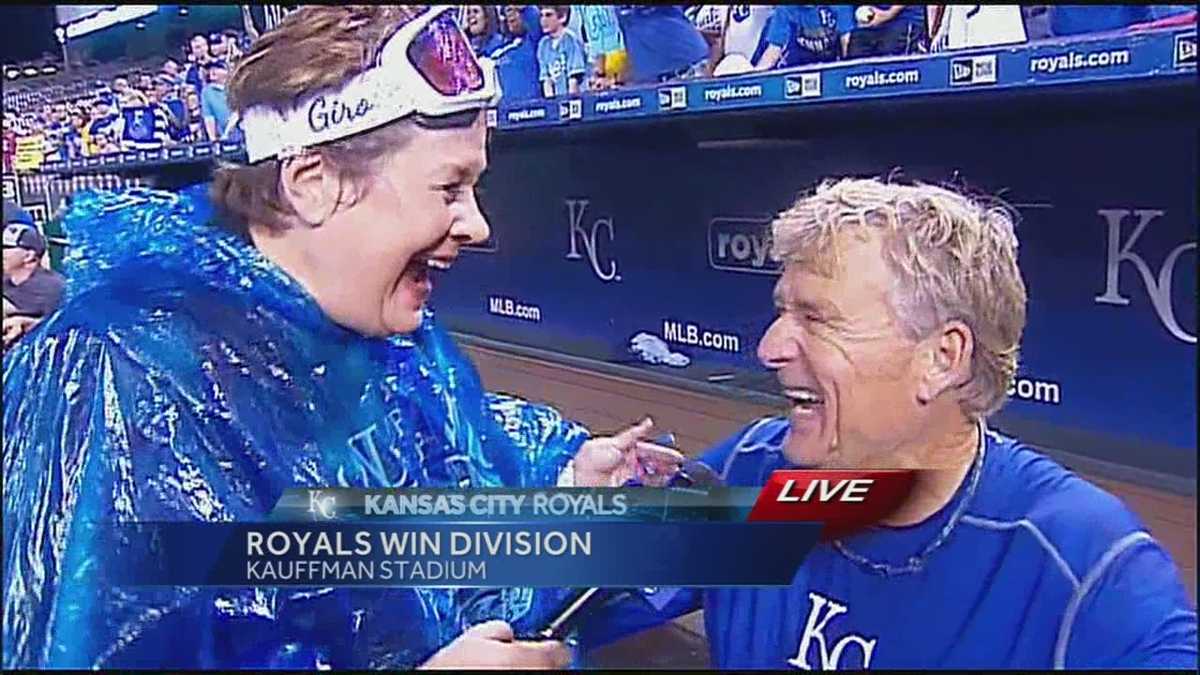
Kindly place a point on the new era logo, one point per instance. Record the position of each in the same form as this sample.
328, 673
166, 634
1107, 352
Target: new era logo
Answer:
672, 98
492, 118
570, 110
802, 85
1185, 50
973, 70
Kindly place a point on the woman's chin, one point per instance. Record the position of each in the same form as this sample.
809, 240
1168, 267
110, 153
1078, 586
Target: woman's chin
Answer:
404, 315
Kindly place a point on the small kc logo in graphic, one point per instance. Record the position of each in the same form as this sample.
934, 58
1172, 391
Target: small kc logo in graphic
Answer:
322, 504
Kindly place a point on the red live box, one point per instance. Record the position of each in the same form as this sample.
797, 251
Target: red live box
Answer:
844, 500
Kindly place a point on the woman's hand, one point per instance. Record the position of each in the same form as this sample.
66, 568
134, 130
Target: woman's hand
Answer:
491, 645
611, 461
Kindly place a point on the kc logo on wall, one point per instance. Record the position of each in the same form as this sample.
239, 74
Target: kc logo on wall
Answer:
586, 235
1158, 285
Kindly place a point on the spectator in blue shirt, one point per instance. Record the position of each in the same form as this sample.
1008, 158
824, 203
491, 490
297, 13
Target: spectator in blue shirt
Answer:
198, 58
1080, 19
888, 30
213, 104
73, 138
561, 62
802, 34
661, 43
530, 18
166, 95
482, 30
604, 44
106, 125
516, 60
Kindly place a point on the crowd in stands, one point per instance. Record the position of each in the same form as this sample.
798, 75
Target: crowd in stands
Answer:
181, 100
555, 50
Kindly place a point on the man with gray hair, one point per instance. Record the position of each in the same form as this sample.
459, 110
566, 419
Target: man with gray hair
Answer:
900, 312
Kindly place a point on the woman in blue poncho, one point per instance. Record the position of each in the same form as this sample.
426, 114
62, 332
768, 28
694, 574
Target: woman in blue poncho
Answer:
194, 372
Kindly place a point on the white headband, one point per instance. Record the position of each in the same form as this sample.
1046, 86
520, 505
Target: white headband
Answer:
392, 89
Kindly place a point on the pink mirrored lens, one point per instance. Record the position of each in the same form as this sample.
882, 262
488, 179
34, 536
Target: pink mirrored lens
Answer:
442, 55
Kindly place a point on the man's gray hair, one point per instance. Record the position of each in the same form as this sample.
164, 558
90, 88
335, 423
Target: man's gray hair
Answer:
953, 257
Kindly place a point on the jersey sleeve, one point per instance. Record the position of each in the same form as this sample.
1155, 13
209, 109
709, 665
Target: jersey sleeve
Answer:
752, 442
781, 27
633, 612
1131, 611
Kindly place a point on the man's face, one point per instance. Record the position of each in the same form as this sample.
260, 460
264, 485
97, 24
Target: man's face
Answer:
550, 21
199, 46
120, 84
217, 75
16, 258
848, 371
512, 17
370, 261
171, 67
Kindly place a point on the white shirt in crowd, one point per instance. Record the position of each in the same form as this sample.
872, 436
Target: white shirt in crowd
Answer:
979, 26
744, 26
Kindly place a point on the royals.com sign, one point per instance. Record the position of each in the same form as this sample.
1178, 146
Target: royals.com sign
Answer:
741, 245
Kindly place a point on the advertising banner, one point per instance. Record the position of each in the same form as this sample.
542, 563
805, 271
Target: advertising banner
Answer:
654, 255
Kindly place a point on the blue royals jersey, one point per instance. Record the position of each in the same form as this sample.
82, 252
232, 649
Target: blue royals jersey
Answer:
1027, 567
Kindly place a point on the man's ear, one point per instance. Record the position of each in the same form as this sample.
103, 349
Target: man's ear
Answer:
946, 360
311, 186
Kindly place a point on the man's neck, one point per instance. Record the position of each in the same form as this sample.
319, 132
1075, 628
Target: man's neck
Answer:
558, 32
955, 450
20, 276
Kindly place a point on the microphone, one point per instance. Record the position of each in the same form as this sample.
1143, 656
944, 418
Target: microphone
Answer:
690, 474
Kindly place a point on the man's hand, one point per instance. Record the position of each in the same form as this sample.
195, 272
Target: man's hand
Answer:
491, 645
16, 326
611, 461
879, 17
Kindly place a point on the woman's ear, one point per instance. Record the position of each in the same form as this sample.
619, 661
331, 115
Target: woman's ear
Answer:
311, 186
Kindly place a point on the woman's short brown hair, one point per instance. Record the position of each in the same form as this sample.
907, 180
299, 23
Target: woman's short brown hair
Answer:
315, 47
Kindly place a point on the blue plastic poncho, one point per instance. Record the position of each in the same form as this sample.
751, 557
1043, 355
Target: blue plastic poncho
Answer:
186, 377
